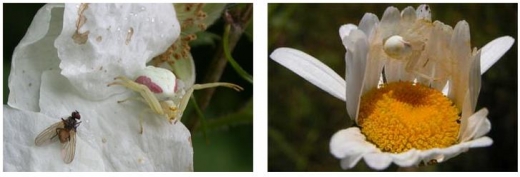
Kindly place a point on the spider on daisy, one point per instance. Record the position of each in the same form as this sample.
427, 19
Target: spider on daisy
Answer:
400, 71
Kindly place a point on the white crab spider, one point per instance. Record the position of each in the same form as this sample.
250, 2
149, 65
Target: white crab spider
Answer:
161, 90
397, 48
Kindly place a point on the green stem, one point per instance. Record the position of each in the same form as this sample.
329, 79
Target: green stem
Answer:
201, 115
216, 68
232, 61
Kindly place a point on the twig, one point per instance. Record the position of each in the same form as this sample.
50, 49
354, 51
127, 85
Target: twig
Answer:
238, 20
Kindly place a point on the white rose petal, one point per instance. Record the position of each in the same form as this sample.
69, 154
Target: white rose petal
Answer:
34, 54
121, 39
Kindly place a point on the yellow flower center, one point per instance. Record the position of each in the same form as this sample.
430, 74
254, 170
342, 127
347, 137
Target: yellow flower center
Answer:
401, 116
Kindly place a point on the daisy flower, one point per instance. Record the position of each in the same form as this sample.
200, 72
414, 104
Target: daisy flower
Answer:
411, 86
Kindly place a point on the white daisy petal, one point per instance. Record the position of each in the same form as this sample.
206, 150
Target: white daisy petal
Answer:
478, 125
368, 22
312, 70
450, 152
424, 12
348, 142
350, 145
474, 80
432, 154
350, 161
344, 30
378, 161
390, 22
395, 71
355, 58
408, 16
493, 50
471, 98
440, 34
480, 142
406, 159
461, 51
467, 111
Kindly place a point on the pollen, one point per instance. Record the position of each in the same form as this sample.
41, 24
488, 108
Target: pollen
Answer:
400, 116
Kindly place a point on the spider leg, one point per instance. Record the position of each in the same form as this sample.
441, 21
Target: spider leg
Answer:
133, 98
186, 98
145, 92
141, 119
217, 84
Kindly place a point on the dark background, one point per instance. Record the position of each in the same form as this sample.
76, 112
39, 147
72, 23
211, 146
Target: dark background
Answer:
303, 118
228, 145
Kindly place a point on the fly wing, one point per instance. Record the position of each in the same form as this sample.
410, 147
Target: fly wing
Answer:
68, 149
49, 134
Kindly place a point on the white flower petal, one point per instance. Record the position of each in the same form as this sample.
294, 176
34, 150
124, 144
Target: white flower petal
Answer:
439, 37
120, 39
424, 12
344, 30
34, 54
390, 22
408, 16
312, 70
478, 125
474, 80
493, 50
471, 98
108, 138
367, 23
461, 51
350, 161
480, 142
356, 63
406, 159
441, 155
20, 153
378, 161
349, 142
350, 145
373, 74
444, 154
395, 71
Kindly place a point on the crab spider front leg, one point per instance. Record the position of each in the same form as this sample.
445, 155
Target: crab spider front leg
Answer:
145, 92
186, 98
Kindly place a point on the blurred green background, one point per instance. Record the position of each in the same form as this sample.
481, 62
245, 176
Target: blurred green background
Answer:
228, 144
303, 118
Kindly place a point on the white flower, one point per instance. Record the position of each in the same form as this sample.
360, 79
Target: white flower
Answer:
64, 63
414, 53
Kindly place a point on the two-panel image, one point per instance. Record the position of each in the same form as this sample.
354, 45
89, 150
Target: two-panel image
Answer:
350, 87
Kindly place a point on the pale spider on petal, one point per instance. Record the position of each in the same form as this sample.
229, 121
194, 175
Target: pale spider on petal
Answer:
161, 90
